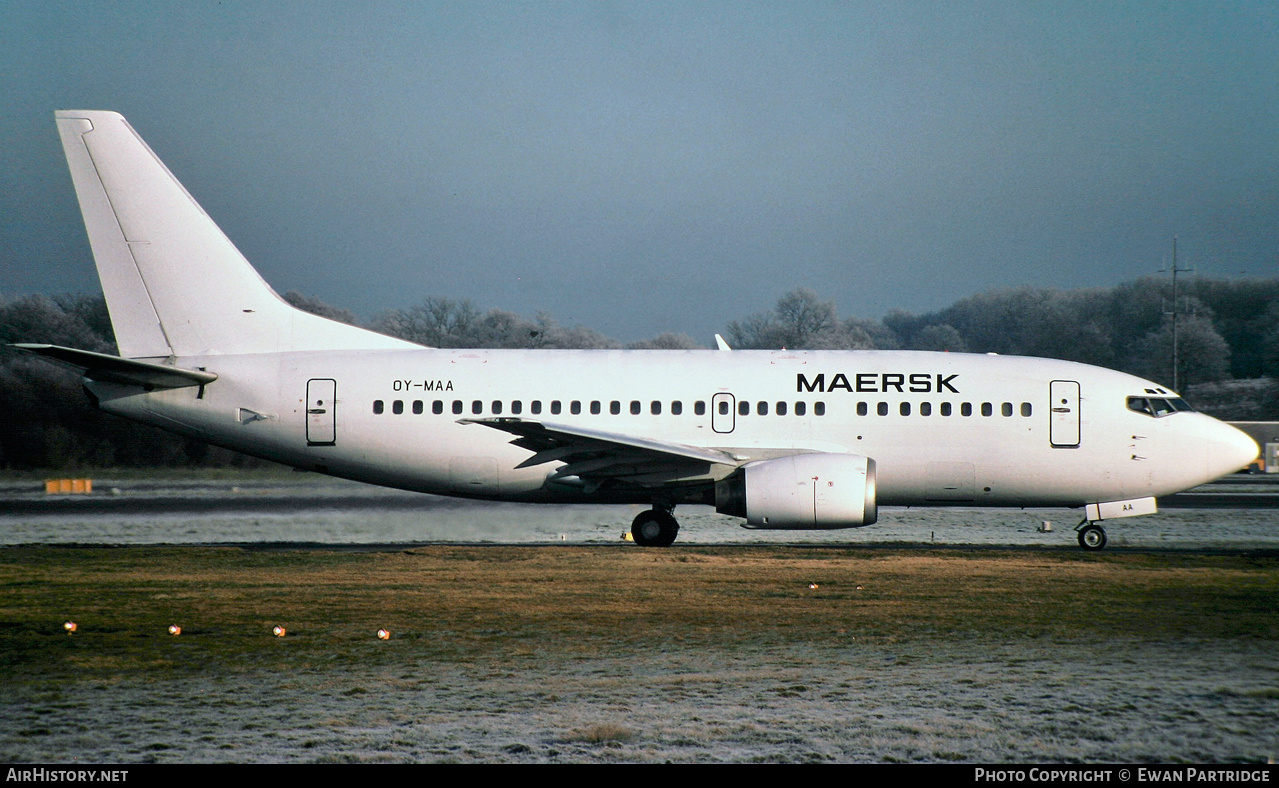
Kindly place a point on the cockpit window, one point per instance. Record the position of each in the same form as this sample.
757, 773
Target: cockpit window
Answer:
1157, 406
1141, 405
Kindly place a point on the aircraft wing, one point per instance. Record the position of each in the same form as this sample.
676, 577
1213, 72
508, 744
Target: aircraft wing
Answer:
113, 369
596, 456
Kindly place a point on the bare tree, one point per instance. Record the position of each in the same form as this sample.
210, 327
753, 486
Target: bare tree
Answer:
315, 306
1202, 354
665, 341
802, 321
942, 336
435, 322
38, 318
802, 317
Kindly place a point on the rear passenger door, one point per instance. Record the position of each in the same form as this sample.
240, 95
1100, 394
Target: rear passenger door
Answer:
321, 412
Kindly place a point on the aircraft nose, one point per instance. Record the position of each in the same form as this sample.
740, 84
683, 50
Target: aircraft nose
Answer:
1229, 449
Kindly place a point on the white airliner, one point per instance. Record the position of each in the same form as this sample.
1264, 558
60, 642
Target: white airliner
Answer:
784, 439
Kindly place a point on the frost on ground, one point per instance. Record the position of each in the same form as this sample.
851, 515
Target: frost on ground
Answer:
1031, 700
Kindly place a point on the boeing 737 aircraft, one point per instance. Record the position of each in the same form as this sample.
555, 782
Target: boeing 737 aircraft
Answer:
784, 439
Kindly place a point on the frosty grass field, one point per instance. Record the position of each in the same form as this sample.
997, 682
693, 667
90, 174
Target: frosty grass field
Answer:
534, 634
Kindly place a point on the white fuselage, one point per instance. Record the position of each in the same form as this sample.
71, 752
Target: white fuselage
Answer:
811, 439
943, 428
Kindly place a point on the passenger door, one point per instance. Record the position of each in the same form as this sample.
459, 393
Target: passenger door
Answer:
1063, 403
321, 412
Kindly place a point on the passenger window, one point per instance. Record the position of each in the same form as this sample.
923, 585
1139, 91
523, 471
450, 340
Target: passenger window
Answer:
635, 407
595, 407
437, 407
882, 408
862, 409
761, 408
781, 408
535, 407
517, 407
987, 409
723, 408
1025, 408
966, 409
378, 406
743, 408
555, 407
417, 406
699, 408
397, 407
819, 408
1006, 408
497, 406
925, 408
677, 408
615, 407
477, 407
904, 408
801, 408
655, 408
457, 406
575, 407
945, 409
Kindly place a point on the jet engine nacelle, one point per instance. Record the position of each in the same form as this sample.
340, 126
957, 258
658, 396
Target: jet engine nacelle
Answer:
818, 491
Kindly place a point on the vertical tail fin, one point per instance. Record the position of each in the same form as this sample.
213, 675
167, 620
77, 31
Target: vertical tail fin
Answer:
174, 284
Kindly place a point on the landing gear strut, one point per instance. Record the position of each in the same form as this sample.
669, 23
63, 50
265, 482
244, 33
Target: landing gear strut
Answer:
655, 528
1091, 536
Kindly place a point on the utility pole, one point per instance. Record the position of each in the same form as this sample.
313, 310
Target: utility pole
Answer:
1175, 270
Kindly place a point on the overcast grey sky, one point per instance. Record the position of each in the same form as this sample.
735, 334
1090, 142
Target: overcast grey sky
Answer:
649, 167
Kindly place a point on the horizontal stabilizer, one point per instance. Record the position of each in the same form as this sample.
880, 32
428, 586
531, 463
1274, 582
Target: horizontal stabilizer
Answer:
113, 369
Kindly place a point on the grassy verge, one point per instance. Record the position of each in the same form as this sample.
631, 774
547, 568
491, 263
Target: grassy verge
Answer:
467, 603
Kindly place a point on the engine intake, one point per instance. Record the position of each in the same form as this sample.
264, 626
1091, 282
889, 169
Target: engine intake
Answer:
802, 491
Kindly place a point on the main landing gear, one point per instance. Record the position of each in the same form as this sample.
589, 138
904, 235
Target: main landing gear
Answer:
1091, 535
655, 528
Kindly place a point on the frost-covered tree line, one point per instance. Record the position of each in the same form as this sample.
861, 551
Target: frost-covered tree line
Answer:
1227, 337
1226, 330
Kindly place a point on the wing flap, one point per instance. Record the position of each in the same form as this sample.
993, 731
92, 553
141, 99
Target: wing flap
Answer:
595, 454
